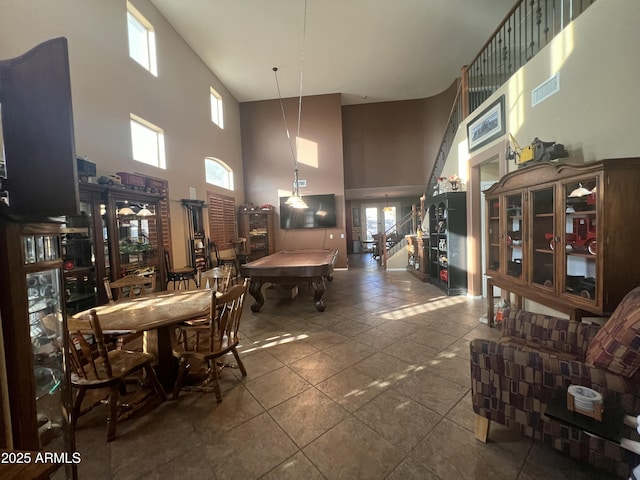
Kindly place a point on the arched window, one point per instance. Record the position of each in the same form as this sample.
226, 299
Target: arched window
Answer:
218, 173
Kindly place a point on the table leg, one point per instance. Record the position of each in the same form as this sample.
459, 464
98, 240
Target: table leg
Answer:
159, 342
318, 291
490, 293
255, 289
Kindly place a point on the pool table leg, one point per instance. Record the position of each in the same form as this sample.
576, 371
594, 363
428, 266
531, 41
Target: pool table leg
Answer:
255, 289
318, 291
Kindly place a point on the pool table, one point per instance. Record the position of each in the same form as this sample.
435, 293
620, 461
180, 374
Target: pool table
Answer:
291, 268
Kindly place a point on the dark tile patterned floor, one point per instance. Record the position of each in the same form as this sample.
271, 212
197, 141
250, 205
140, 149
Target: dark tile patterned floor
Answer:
375, 387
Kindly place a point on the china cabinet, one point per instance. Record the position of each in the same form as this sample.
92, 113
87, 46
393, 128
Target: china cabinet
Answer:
565, 236
257, 226
33, 316
447, 242
135, 240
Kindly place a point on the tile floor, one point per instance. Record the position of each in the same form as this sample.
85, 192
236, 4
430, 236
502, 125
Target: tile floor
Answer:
375, 387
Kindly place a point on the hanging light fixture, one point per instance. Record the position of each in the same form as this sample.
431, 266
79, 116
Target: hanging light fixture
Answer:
579, 192
125, 211
295, 200
145, 212
387, 208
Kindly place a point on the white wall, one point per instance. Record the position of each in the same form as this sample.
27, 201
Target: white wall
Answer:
595, 113
107, 86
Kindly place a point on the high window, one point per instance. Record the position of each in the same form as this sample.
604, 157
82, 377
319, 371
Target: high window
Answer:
147, 142
216, 108
218, 173
142, 40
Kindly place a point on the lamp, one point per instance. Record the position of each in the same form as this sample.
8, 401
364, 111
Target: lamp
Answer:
579, 192
387, 208
145, 212
295, 200
125, 211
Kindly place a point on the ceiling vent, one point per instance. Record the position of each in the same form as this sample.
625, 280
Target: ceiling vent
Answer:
545, 90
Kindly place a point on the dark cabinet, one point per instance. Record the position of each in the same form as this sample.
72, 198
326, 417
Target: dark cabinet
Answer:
257, 226
447, 215
83, 246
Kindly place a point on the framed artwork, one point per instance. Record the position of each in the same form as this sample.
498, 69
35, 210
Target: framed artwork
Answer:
487, 126
356, 217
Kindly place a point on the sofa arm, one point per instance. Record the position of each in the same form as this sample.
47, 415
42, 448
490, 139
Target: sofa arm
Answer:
550, 332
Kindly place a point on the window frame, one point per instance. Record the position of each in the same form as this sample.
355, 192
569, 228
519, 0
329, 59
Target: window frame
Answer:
223, 165
160, 158
217, 110
149, 62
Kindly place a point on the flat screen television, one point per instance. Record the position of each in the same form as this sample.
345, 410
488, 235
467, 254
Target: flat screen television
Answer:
320, 212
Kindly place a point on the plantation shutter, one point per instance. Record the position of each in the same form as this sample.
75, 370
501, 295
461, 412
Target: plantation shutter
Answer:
222, 220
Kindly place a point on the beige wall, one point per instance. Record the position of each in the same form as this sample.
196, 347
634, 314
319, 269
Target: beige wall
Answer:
107, 86
404, 134
268, 162
595, 113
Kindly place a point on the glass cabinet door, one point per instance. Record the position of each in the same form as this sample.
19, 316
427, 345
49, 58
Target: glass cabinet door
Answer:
47, 335
493, 234
138, 239
580, 237
80, 283
543, 237
514, 240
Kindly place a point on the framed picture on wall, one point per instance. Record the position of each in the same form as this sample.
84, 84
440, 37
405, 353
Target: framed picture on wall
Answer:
356, 217
487, 126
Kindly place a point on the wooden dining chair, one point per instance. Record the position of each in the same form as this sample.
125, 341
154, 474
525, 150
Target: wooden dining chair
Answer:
94, 367
130, 286
210, 342
226, 259
216, 278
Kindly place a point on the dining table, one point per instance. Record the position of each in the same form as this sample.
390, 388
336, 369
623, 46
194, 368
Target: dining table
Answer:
155, 315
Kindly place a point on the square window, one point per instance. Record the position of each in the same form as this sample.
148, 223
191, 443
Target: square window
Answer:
147, 142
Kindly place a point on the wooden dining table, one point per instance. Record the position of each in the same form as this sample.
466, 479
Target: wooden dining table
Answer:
155, 315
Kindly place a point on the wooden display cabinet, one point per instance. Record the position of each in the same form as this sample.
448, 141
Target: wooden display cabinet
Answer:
448, 242
565, 236
418, 264
135, 233
257, 226
36, 415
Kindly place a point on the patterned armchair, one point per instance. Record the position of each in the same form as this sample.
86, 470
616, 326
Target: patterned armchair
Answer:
513, 379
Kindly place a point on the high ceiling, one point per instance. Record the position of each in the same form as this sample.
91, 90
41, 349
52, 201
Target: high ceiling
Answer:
367, 50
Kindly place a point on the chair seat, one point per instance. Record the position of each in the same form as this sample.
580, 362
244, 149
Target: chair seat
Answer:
123, 363
204, 354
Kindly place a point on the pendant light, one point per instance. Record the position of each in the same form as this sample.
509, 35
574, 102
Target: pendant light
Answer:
579, 192
295, 200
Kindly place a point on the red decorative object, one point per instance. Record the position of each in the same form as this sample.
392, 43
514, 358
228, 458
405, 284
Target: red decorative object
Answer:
68, 265
444, 275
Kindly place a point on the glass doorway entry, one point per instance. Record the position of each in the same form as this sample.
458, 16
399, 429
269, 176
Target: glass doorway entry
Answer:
378, 220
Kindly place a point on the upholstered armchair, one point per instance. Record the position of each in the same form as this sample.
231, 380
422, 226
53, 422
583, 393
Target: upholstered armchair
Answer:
513, 379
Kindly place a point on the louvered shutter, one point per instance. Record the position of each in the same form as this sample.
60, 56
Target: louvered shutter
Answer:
222, 220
